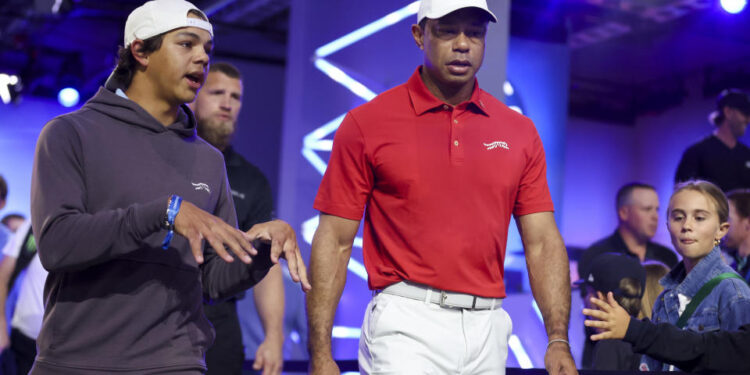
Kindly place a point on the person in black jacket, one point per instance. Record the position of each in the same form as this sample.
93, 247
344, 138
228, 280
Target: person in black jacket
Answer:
720, 157
711, 352
217, 108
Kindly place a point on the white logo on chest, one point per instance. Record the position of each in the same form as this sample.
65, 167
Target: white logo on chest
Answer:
201, 186
496, 144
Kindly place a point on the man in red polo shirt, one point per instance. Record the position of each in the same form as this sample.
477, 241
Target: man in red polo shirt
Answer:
437, 166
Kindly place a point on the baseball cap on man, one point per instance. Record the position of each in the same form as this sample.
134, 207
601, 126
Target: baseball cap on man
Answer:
731, 98
608, 269
159, 16
437, 8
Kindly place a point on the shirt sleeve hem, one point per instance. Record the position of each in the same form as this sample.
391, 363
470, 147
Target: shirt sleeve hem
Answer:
335, 210
532, 209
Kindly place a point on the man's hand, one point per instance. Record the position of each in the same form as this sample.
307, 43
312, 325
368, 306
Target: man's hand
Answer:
197, 225
268, 357
283, 245
558, 360
324, 366
612, 320
4, 340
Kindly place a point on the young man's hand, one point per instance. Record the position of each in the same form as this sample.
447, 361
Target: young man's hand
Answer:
4, 340
197, 225
283, 242
269, 356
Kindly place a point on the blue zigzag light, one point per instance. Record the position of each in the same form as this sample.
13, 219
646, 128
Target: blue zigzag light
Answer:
338, 75
315, 141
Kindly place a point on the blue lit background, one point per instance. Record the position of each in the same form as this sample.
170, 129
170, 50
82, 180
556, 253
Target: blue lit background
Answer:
587, 159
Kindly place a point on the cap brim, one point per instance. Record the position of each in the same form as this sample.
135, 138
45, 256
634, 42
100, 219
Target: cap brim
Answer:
492, 15
435, 16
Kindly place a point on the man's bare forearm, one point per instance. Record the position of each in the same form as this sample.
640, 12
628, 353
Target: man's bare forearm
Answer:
7, 265
549, 275
328, 263
269, 301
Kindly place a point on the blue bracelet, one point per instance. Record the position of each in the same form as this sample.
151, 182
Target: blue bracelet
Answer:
172, 209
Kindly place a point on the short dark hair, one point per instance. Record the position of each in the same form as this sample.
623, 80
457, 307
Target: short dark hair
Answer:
3, 188
228, 69
623, 194
126, 62
730, 98
741, 200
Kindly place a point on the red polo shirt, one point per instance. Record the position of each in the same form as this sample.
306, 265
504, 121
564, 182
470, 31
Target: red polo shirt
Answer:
437, 185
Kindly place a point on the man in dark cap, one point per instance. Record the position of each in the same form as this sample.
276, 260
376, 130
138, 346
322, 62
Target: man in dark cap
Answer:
720, 157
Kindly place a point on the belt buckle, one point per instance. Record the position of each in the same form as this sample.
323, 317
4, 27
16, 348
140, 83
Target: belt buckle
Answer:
443, 297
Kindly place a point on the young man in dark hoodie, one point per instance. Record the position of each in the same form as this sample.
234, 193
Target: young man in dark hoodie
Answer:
123, 196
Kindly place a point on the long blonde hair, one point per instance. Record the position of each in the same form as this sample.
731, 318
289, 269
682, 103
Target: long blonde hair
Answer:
654, 272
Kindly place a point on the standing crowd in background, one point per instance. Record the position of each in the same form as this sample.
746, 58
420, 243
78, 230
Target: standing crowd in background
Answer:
708, 219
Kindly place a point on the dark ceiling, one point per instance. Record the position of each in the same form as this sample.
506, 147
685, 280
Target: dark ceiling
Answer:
628, 57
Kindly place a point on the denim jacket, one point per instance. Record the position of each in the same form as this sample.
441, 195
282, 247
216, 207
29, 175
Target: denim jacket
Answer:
725, 309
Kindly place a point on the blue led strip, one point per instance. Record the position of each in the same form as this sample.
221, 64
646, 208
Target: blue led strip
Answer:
336, 73
315, 141
514, 343
537, 311
367, 30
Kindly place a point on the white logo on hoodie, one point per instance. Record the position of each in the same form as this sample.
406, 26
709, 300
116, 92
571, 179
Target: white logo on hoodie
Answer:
201, 186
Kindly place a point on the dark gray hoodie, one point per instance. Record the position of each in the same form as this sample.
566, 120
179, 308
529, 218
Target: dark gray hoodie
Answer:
115, 301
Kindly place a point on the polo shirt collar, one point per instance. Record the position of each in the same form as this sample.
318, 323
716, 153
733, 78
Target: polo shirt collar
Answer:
423, 100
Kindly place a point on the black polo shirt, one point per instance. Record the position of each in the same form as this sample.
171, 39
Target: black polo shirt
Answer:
712, 160
251, 191
615, 244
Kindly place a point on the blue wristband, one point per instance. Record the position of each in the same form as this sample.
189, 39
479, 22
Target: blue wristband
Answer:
172, 209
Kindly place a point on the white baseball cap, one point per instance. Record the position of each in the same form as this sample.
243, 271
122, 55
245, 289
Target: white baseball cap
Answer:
437, 8
159, 16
